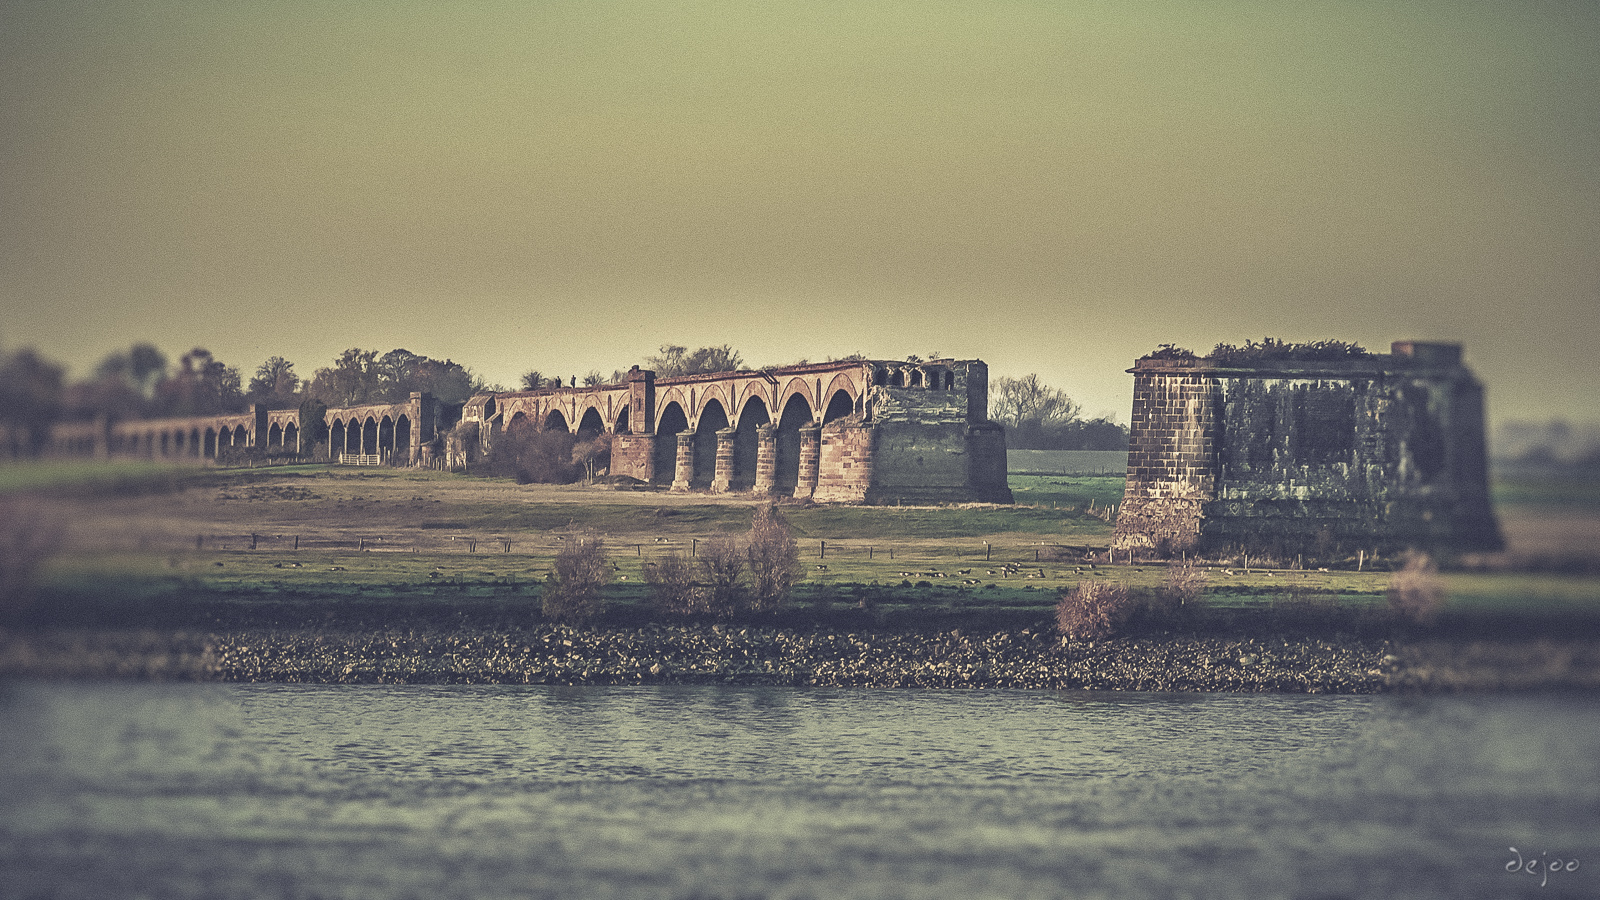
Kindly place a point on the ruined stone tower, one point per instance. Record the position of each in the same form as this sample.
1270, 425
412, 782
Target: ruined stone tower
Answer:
1315, 455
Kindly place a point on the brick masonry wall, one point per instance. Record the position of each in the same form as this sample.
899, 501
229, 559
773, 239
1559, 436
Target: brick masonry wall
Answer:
844, 473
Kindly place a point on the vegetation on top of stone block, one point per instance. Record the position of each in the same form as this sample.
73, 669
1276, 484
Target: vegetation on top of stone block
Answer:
1266, 349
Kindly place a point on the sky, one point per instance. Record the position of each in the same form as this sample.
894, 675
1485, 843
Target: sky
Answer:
1056, 188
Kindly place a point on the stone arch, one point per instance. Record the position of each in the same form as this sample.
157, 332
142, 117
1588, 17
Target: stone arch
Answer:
717, 394
669, 423
897, 377
224, 439
166, 443
840, 405
622, 426
796, 387
672, 395
556, 420
209, 451
369, 436
916, 378
949, 380
402, 436
291, 437
797, 414
274, 436
591, 424
194, 442
746, 442
336, 438
713, 418
385, 435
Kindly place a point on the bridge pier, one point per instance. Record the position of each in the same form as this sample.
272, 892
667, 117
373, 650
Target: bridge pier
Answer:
683, 474
810, 458
766, 459
722, 479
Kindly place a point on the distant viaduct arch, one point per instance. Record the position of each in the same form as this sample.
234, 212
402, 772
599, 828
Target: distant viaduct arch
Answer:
847, 431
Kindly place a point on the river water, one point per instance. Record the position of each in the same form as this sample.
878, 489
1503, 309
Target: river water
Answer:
111, 790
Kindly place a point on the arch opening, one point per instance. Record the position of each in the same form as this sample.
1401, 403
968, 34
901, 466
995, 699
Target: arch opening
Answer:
669, 425
291, 438
712, 420
796, 415
747, 443
841, 404
402, 436
555, 421
591, 425
369, 436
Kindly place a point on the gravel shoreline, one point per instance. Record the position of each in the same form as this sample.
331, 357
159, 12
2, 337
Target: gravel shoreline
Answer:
720, 654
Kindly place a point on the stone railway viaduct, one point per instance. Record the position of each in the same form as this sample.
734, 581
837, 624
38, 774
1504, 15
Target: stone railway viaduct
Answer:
849, 431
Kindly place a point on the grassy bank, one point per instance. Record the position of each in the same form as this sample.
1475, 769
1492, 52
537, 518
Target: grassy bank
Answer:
233, 574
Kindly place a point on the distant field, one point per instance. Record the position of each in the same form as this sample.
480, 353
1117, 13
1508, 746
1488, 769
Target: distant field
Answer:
1067, 462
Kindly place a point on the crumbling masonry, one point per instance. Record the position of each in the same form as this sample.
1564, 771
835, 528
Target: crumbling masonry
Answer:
1286, 456
852, 431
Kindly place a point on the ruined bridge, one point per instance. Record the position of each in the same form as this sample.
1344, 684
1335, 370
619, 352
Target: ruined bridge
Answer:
849, 431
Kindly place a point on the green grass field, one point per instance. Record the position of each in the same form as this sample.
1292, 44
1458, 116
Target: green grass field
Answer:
435, 536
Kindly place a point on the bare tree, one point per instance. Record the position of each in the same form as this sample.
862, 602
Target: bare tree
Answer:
1025, 401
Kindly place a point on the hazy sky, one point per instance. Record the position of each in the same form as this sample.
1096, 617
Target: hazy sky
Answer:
1051, 187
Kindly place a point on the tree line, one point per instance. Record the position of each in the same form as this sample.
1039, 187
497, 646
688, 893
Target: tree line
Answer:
142, 382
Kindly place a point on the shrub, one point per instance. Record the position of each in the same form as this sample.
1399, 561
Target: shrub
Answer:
532, 456
774, 557
722, 563
1184, 587
1415, 592
581, 571
1094, 610
28, 537
672, 587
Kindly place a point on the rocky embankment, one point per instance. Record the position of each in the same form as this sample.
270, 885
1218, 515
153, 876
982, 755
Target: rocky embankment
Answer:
707, 654
703, 654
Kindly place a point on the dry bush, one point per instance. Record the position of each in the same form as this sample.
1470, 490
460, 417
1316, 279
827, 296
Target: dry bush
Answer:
581, 571
1094, 610
721, 564
774, 557
28, 537
1184, 587
532, 456
672, 587
1415, 592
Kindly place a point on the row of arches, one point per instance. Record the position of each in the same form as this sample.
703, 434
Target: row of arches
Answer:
193, 442
931, 377
370, 436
